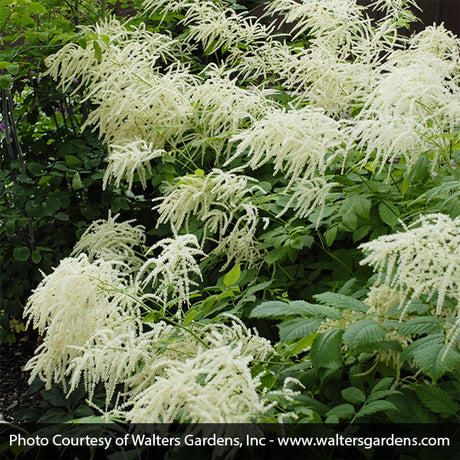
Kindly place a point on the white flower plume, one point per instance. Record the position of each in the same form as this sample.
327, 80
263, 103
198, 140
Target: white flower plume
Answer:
172, 270
112, 241
205, 381
70, 305
126, 158
423, 260
212, 198
301, 143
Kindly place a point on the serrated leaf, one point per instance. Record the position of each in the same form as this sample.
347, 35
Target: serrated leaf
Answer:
389, 213
353, 395
330, 235
342, 411
437, 359
420, 345
326, 348
232, 276
376, 406
277, 309
297, 328
380, 394
421, 325
341, 301
363, 332
189, 317
437, 400
303, 344
383, 384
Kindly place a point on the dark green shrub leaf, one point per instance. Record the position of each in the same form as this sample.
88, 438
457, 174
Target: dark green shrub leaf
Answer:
375, 407
363, 332
342, 301
353, 395
326, 348
5, 81
36, 257
421, 325
297, 328
437, 400
10, 227
389, 214
342, 411
21, 254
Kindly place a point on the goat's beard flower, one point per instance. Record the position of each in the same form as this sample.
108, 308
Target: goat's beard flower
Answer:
70, 305
207, 380
171, 272
299, 142
113, 242
422, 260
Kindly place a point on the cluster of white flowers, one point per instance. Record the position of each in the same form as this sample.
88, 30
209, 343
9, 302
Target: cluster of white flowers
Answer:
128, 158
309, 195
416, 94
214, 24
113, 242
422, 260
171, 271
70, 305
212, 198
300, 143
202, 377
220, 109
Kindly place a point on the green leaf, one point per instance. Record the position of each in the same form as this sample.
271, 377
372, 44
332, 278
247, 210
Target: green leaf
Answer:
270, 309
383, 384
342, 411
389, 213
189, 317
421, 325
36, 257
5, 81
297, 328
13, 68
363, 332
34, 168
437, 359
97, 51
342, 301
375, 407
437, 400
380, 394
76, 181
330, 235
302, 344
278, 309
72, 160
353, 395
232, 276
62, 216
10, 227
21, 254
326, 349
